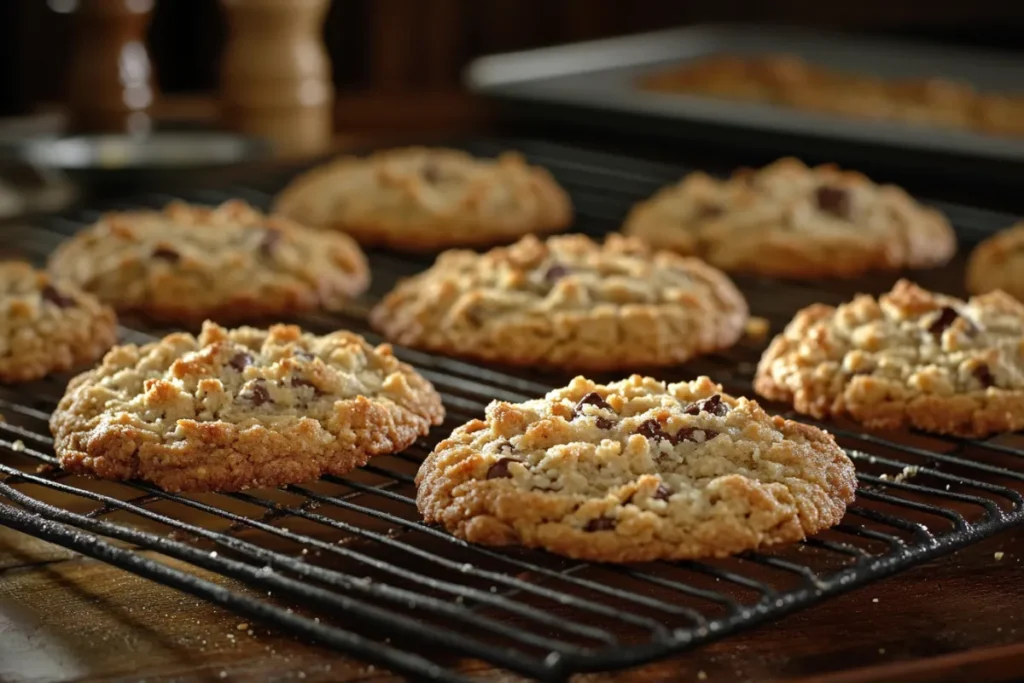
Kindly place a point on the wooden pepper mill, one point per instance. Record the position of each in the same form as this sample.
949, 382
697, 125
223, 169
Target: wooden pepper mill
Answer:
111, 80
276, 74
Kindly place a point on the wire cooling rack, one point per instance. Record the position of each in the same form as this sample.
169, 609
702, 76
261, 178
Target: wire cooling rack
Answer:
346, 562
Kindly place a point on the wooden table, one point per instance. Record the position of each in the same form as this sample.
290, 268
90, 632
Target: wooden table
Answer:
64, 617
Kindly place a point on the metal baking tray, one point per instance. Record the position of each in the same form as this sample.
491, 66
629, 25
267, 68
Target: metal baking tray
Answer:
600, 78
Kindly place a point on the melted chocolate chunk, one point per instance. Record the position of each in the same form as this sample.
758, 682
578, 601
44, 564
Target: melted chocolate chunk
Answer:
499, 470
300, 382
240, 361
555, 273
600, 524
662, 493
51, 294
712, 404
269, 243
594, 399
258, 394
166, 254
946, 318
686, 434
833, 200
651, 429
984, 375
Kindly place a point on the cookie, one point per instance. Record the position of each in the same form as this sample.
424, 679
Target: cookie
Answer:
48, 327
911, 358
567, 302
420, 199
635, 471
188, 263
998, 263
788, 220
242, 408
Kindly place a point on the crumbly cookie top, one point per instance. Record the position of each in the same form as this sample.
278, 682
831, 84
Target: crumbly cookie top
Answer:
248, 376
388, 196
36, 312
568, 273
998, 263
198, 259
924, 342
627, 456
789, 202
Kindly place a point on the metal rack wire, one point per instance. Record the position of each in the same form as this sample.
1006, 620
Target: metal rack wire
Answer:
346, 561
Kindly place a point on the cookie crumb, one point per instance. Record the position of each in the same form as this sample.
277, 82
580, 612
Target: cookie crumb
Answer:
999, 555
874, 599
757, 328
243, 626
18, 446
701, 676
881, 650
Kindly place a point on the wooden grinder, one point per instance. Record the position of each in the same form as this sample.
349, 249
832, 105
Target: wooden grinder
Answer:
110, 80
276, 74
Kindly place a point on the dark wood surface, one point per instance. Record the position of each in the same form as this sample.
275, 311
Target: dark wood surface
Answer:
64, 617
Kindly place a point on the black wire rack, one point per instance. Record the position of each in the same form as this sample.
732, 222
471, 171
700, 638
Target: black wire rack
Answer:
346, 562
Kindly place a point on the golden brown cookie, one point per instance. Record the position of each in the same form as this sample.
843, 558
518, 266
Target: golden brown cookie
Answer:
421, 199
568, 302
788, 220
188, 263
910, 358
242, 408
48, 327
998, 263
634, 471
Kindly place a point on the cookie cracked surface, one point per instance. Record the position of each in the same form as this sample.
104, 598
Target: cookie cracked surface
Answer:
567, 302
910, 358
242, 408
634, 471
46, 326
421, 199
188, 263
788, 220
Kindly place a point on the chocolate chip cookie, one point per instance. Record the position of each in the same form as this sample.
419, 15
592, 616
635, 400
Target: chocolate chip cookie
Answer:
788, 220
910, 358
567, 302
998, 263
635, 471
242, 408
420, 199
188, 263
46, 326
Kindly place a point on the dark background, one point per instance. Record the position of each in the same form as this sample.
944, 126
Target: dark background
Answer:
421, 45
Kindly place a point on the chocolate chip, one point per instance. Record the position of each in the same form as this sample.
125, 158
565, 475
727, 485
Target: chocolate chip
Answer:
946, 318
662, 493
595, 399
51, 294
651, 429
686, 434
300, 382
600, 524
499, 470
555, 273
833, 200
708, 211
984, 375
269, 243
431, 172
240, 361
712, 404
167, 254
258, 394
592, 399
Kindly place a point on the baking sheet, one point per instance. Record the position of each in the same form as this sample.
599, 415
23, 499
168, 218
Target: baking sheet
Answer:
602, 76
